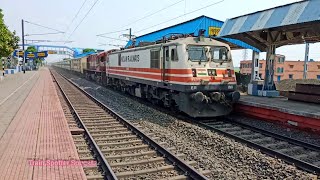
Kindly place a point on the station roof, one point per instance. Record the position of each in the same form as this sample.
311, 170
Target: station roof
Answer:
293, 23
193, 26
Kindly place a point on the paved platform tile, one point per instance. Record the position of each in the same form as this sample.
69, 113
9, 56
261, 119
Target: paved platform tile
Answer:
39, 132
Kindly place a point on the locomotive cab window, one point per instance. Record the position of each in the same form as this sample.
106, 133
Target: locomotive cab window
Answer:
155, 59
197, 53
174, 55
219, 54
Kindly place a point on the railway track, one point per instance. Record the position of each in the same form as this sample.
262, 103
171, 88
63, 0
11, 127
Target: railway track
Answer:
303, 155
83, 149
121, 149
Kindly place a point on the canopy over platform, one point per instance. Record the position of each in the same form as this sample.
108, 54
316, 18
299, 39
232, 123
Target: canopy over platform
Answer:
293, 23
210, 25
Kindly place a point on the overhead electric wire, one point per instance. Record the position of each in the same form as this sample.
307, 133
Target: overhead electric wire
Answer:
181, 16
112, 32
146, 16
76, 14
149, 15
113, 38
43, 34
116, 45
46, 40
83, 19
43, 26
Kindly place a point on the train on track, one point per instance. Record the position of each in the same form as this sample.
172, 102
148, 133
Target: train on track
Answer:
194, 75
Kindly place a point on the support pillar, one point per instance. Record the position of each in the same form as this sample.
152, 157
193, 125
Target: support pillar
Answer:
255, 66
253, 85
269, 88
269, 70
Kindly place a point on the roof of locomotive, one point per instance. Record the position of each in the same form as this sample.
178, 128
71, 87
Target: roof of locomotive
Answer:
178, 41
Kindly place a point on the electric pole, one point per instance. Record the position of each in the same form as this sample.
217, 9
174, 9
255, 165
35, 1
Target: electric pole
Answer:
306, 59
23, 56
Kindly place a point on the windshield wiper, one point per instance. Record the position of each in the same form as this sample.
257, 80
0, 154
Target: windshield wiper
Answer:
202, 55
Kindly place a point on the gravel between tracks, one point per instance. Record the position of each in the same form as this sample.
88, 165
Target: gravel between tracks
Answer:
225, 158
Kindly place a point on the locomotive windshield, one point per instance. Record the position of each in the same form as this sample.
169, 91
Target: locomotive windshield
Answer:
204, 53
197, 53
219, 54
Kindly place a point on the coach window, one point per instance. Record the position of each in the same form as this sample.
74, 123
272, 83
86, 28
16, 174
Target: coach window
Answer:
174, 55
155, 59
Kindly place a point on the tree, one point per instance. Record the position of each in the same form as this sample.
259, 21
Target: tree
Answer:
8, 40
88, 50
31, 49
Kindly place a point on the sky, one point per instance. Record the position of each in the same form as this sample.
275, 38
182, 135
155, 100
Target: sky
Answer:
109, 16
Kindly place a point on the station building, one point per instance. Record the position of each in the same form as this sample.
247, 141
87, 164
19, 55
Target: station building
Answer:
284, 69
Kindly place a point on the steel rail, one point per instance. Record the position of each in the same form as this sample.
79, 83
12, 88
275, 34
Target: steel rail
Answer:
276, 135
107, 171
289, 159
187, 169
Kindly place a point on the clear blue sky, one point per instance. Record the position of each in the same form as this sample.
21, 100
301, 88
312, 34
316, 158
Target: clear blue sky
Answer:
108, 16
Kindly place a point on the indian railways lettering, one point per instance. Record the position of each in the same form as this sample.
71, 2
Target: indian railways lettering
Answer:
132, 58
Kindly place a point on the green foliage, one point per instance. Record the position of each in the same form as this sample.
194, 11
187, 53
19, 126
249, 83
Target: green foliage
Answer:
31, 49
88, 50
8, 40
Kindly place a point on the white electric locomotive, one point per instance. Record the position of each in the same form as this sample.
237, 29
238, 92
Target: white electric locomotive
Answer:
192, 74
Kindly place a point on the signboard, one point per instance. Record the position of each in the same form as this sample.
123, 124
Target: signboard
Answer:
42, 54
15, 53
214, 31
30, 55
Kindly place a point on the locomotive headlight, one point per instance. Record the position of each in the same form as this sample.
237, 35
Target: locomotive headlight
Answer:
212, 72
194, 73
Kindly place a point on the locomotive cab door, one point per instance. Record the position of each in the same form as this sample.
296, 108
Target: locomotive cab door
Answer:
165, 64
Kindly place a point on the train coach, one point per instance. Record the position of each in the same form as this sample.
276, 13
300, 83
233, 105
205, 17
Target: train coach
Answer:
192, 74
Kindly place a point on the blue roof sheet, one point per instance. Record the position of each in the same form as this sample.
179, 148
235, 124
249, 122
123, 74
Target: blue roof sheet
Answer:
290, 14
188, 27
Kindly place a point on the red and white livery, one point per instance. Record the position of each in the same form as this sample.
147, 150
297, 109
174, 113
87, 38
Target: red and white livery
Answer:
192, 74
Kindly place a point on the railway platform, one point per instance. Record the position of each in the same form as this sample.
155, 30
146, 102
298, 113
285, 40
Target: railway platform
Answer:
299, 114
14, 89
36, 143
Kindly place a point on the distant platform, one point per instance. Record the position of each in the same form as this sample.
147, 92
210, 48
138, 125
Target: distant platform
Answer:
37, 144
300, 114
